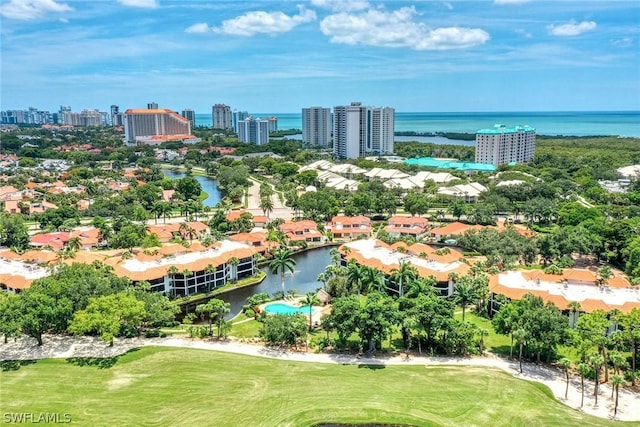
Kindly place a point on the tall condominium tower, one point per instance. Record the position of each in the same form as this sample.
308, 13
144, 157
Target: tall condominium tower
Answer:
221, 115
117, 118
142, 125
253, 131
358, 130
190, 115
236, 116
316, 126
502, 145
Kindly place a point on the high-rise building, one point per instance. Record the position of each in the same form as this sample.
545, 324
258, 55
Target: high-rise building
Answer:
236, 116
502, 145
358, 130
273, 123
221, 116
190, 115
116, 116
316, 126
142, 125
30, 116
253, 131
152, 106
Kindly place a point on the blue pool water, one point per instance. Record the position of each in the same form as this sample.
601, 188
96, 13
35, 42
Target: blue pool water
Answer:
280, 308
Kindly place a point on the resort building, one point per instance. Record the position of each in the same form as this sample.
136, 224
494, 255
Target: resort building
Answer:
349, 227
221, 117
413, 226
358, 130
502, 145
573, 285
316, 126
173, 269
425, 259
302, 231
142, 126
253, 131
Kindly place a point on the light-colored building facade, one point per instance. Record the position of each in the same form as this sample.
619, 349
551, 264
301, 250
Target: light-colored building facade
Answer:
143, 124
358, 130
502, 145
253, 131
316, 126
236, 116
221, 116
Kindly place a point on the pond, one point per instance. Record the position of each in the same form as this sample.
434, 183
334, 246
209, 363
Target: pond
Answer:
210, 186
304, 279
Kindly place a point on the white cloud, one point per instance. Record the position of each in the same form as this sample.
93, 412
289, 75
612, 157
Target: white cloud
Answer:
32, 9
447, 5
146, 4
501, 2
342, 5
571, 29
397, 29
199, 28
623, 42
523, 33
252, 23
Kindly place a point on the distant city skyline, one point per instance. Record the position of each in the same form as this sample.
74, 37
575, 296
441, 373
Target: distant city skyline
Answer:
279, 57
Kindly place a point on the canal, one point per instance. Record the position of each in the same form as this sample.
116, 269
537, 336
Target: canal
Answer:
210, 186
304, 279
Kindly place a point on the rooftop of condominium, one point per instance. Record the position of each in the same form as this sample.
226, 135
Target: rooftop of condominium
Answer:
500, 129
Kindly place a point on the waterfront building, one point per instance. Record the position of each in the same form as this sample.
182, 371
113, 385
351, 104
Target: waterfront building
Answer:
173, 269
273, 123
141, 125
501, 145
221, 116
358, 130
316, 126
236, 116
253, 131
190, 115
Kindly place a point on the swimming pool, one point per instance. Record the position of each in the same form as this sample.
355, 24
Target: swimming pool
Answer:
280, 308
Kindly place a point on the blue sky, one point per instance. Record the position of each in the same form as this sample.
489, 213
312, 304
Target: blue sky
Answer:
263, 56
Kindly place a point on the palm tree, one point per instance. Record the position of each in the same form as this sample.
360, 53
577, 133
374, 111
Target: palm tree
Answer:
464, 293
482, 332
520, 335
282, 261
233, 262
266, 204
173, 271
403, 274
596, 361
583, 370
355, 275
74, 244
565, 364
323, 278
604, 274
210, 270
310, 300
616, 380
372, 279
574, 309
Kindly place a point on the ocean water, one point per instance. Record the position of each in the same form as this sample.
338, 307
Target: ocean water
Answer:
575, 123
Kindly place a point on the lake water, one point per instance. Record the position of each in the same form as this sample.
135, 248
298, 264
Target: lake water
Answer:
210, 186
309, 265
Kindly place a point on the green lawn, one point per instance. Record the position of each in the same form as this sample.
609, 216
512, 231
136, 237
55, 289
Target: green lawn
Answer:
172, 386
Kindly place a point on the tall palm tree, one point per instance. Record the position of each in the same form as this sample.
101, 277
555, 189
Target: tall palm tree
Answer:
616, 380
74, 244
355, 275
520, 335
464, 293
282, 261
266, 204
574, 309
310, 300
583, 370
565, 364
403, 274
233, 262
596, 361
372, 279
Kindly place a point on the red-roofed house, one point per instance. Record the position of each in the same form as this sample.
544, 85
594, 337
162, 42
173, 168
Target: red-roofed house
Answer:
350, 227
306, 231
413, 226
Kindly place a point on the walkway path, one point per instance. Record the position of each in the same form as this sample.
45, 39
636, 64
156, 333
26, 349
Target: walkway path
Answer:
63, 347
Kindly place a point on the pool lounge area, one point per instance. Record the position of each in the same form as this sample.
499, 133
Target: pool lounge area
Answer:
295, 306
450, 164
